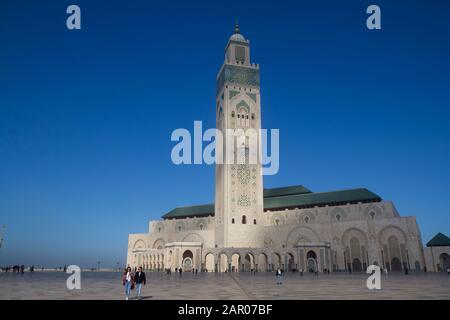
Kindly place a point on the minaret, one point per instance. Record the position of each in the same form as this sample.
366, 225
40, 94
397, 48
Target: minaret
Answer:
239, 187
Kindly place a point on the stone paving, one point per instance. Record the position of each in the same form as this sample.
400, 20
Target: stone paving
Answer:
107, 285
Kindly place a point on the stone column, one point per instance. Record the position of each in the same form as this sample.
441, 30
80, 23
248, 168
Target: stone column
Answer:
322, 256
302, 259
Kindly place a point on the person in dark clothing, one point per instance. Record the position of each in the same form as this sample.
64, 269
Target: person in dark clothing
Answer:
139, 280
279, 276
180, 271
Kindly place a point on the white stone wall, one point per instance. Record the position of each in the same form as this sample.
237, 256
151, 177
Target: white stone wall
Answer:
368, 232
433, 257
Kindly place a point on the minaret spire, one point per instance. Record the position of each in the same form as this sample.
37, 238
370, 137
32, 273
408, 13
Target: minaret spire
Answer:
236, 27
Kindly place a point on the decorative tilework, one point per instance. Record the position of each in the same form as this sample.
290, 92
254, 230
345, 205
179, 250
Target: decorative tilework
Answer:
239, 75
252, 96
233, 93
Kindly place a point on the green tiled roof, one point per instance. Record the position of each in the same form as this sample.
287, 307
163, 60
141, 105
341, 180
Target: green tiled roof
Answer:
288, 197
285, 191
439, 240
321, 199
192, 211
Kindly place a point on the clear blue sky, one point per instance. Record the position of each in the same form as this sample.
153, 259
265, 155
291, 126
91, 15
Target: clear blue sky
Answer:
86, 116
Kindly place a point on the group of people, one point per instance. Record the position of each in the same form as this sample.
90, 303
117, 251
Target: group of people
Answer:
16, 268
133, 280
22, 268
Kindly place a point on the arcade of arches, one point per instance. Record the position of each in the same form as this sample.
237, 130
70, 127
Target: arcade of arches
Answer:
304, 255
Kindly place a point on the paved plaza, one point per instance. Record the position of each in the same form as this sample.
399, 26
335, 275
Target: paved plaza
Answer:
223, 286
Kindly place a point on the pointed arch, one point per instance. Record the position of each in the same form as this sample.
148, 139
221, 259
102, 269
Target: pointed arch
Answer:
301, 232
243, 105
192, 237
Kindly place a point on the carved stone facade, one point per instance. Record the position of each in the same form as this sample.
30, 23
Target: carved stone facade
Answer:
364, 234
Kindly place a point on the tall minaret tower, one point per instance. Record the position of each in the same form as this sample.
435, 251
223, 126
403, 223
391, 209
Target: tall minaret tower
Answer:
239, 187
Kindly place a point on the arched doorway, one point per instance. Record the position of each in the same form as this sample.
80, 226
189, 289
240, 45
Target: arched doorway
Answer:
291, 262
235, 262
394, 253
311, 261
262, 262
188, 260
276, 261
444, 260
356, 265
249, 262
396, 265
417, 266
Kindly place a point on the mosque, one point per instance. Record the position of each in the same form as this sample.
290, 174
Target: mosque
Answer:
292, 228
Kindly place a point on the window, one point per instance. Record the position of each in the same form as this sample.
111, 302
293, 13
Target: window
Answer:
238, 116
372, 214
240, 53
306, 219
254, 221
232, 114
201, 227
244, 220
253, 116
159, 229
232, 220
338, 217
277, 222
179, 228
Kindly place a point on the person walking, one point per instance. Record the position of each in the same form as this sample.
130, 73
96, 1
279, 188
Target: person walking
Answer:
127, 281
279, 275
139, 280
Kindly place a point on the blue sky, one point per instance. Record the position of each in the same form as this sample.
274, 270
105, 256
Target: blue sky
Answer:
86, 116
